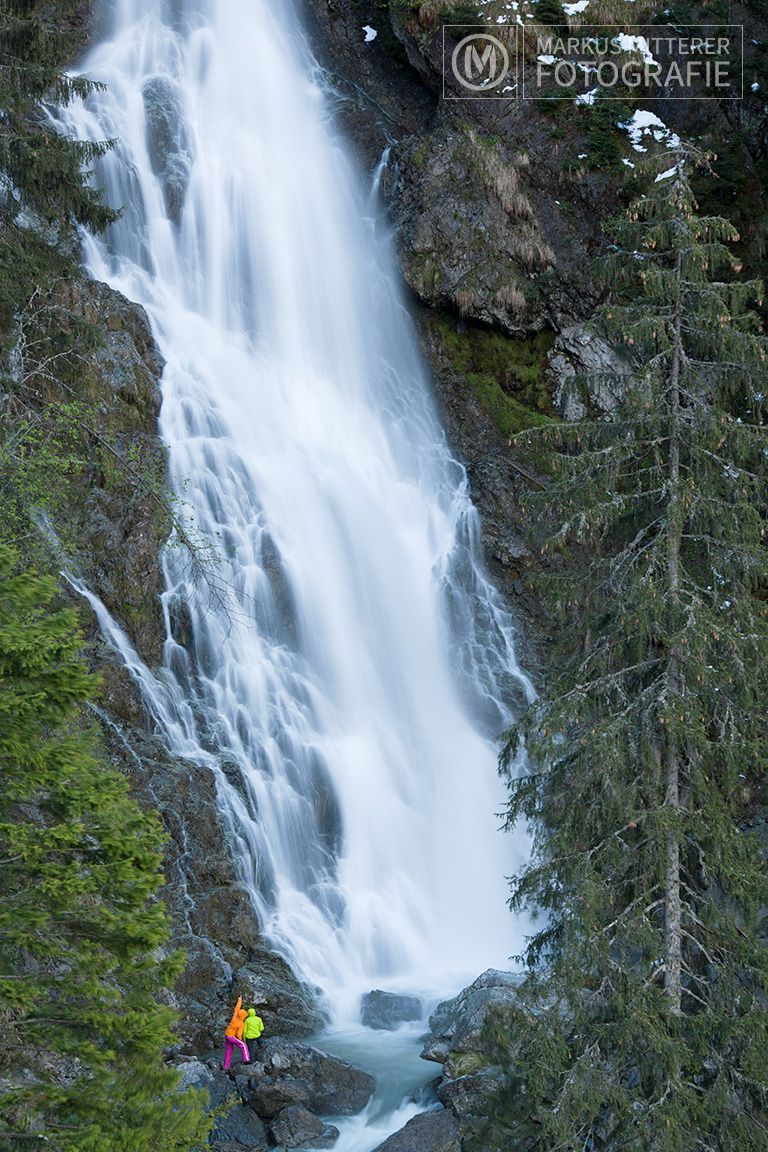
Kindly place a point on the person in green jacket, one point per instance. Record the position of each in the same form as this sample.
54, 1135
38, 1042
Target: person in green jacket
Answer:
253, 1026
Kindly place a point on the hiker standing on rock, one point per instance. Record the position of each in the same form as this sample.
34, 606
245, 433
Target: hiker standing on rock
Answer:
253, 1027
234, 1035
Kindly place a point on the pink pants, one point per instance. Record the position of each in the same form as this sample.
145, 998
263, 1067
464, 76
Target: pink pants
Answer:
230, 1042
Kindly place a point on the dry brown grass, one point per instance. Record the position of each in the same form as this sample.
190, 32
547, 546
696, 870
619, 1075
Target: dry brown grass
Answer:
434, 12
511, 298
466, 298
430, 13
503, 181
529, 248
617, 12
514, 202
502, 178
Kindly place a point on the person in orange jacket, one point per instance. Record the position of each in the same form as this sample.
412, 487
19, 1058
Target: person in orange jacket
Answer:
234, 1036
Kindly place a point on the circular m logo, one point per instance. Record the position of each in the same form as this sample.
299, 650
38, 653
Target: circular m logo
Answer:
480, 62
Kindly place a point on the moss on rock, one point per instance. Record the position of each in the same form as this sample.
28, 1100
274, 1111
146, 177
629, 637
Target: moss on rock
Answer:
506, 374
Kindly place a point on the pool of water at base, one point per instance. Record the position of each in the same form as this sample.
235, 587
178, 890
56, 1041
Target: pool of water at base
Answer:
403, 1080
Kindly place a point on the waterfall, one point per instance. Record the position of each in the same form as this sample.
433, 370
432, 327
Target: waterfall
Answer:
337, 644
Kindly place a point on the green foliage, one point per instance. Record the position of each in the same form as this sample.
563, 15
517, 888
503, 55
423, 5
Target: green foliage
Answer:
643, 1022
509, 415
83, 939
551, 13
41, 451
605, 142
26, 261
461, 14
40, 168
506, 374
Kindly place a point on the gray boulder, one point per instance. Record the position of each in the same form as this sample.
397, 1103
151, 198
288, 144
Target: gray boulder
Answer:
196, 1074
427, 1132
385, 1010
589, 373
457, 1024
242, 1128
296, 1127
285, 1074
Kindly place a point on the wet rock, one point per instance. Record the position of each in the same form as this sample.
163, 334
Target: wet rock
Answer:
386, 1010
242, 1127
213, 917
383, 97
286, 1074
296, 1127
286, 1005
427, 1132
457, 1024
167, 142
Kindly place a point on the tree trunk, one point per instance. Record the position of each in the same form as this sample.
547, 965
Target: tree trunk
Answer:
672, 896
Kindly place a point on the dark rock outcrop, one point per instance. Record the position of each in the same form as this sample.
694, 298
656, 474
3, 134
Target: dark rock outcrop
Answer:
295, 1127
118, 516
427, 1132
470, 1078
386, 1010
208, 1076
242, 1128
381, 98
284, 1075
167, 142
287, 1006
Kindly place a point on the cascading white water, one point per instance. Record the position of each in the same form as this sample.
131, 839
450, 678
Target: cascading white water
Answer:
354, 662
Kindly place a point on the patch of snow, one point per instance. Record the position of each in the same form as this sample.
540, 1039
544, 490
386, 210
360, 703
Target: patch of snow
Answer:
547, 59
629, 164
587, 97
666, 175
755, 87
577, 6
643, 124
370, 33
634, 44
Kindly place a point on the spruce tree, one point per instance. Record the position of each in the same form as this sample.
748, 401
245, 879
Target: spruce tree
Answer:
643, 1019
84, 960
40, 168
